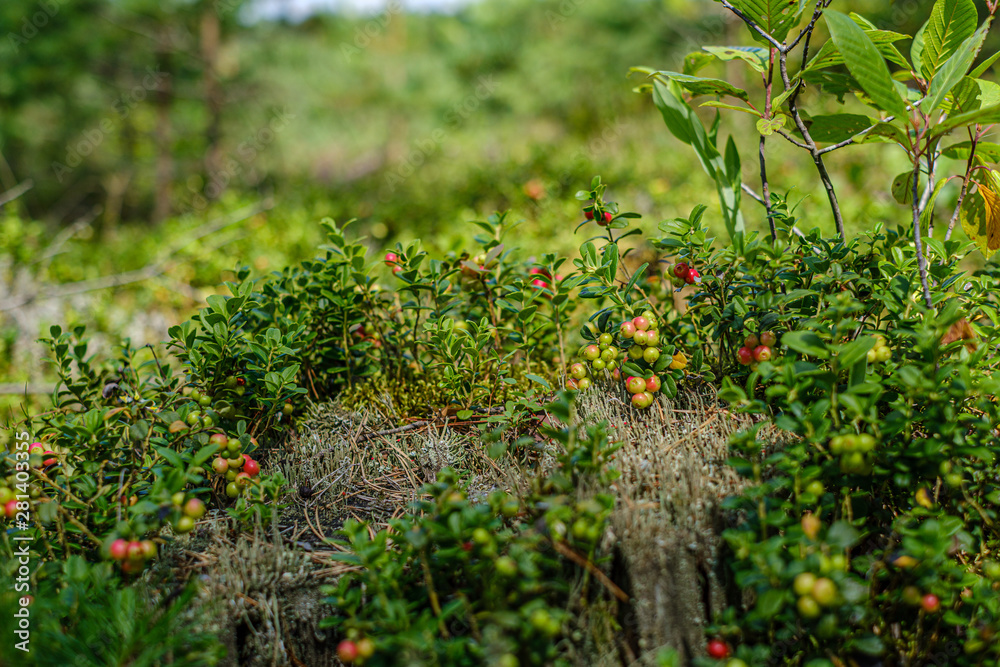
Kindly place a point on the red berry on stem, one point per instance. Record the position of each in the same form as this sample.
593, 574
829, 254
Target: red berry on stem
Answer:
635, 385
588, 213
681, 269
653, 384
930, 603
641, 323
692, 276
718, 649
762, 353
768, 338
627, 329
118, 549
391, 258
347, 651
744, 355
607, 216
251, 467
751, 341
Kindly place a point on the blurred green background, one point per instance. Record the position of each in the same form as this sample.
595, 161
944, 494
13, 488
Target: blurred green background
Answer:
167, 142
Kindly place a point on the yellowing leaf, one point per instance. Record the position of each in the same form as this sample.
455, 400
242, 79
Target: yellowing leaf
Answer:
980, 216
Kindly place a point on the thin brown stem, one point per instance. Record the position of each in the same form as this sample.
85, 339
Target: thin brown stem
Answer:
974, 138
921, 260
817, 157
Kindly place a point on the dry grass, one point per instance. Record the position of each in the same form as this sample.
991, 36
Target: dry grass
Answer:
662, 538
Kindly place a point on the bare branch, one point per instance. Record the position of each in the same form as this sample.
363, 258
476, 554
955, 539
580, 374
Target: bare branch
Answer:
793, 140
16, 191
817, 157
753, 195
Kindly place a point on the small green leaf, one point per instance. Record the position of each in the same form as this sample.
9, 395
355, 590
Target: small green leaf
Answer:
755, 56
768, 126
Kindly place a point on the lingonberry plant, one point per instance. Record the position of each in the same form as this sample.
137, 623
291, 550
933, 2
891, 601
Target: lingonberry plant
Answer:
459, 581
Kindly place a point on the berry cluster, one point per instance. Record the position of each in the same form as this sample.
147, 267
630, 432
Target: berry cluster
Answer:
683, 274
881, 352
542, 281
189, 510
815, 594
8, 503
355, 651
392, 261
132, 554
238, 468
854, 452
600, 357
642, 390
597, 211
756, 349
644, 336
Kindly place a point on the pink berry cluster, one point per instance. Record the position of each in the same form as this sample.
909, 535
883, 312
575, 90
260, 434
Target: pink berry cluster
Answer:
542, 281
593, 211
756, 349
596, 358
392, 261
645, 337
238, 468
683, 274
132, 554
642, 390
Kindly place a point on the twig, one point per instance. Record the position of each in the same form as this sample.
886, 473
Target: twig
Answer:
753, 195
593, 569
921, 260
16, 191
824, 176
965, 185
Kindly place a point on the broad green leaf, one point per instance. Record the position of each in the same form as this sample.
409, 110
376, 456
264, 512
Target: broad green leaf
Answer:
917, 50
697, 85
987, 150
754, 56
837, 127
731, 107
983, 66
951, 23
884, 40
983, 116
684, 124
864, 62
806, 342
980, 216
884, 133
953, 70
775, 17
695, 61
902, 188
